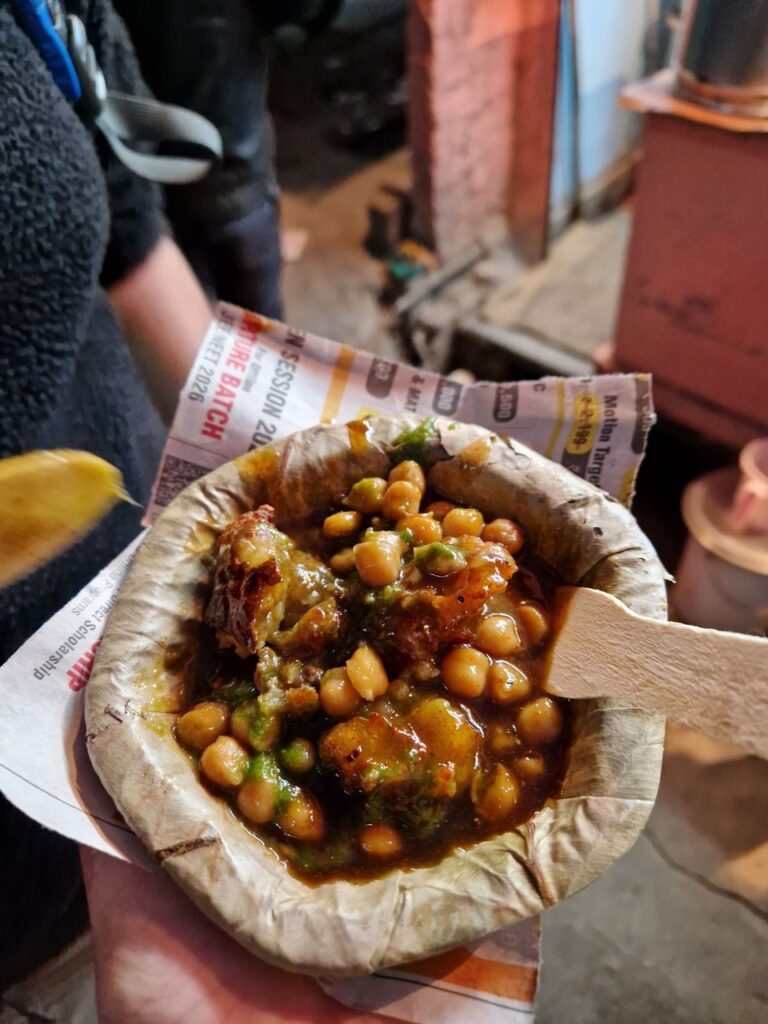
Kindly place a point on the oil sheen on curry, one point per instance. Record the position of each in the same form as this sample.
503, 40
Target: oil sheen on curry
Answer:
367, 693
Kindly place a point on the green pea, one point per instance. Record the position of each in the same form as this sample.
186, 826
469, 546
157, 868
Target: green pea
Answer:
251, 723
439, 559
298, 756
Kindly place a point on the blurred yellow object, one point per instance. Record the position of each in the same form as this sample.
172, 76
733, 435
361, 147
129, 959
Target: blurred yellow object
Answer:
48, 500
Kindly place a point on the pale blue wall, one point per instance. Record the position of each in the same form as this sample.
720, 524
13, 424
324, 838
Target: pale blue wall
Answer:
563, 184
609, 53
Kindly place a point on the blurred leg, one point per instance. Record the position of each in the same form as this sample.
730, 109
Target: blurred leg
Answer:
243, 259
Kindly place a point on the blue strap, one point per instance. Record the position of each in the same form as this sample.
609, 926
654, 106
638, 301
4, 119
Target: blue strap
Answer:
43, 21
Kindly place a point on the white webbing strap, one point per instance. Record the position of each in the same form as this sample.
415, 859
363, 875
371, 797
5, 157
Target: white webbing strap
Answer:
129, 122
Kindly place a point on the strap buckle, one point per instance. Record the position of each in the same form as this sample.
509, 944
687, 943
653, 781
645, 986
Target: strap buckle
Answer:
58, 17
93, 85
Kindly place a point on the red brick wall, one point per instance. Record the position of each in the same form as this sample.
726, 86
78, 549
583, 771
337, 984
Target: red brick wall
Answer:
470, 65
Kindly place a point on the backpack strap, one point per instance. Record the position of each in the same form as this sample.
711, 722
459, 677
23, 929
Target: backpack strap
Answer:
136, 128
45, 24
128, 121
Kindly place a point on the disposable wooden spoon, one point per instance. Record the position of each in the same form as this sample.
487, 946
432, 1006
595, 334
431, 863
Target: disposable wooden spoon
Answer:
713, 681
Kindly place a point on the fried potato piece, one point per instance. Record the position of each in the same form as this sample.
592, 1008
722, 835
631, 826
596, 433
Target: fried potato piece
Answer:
488, 571
431, 753
372, 752
260, 580
318, 627
452, 743
425, 617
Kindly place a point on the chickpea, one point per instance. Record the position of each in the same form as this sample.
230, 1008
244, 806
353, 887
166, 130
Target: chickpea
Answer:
302, 819
425, 529
460, 521
299, 756
342, 562
380, 841
366, 495
534, 621
504, 531
249, 724
410, 471
439, 509
465, 671
540, 722
240, 724
497, 796
266, 732
497, 635
507, 684
502, 739
224, 762
531, 767
401, 498
337, 694
439, 559
342, 524
256, 800
202, 724
367, 673
378, 560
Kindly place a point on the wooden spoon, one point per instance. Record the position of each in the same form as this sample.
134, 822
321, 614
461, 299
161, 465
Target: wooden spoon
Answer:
713, 681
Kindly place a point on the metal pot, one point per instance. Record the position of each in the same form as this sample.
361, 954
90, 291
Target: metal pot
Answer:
722, 55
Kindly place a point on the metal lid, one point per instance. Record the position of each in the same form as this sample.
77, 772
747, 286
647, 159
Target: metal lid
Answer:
706, 510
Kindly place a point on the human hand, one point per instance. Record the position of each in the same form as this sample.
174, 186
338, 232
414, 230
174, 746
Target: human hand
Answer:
159, 960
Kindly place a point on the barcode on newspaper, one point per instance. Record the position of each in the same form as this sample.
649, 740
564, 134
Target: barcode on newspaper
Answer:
176, 475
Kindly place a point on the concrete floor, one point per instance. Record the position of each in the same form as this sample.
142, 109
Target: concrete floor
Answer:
571, 298
678, 930
333, 288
